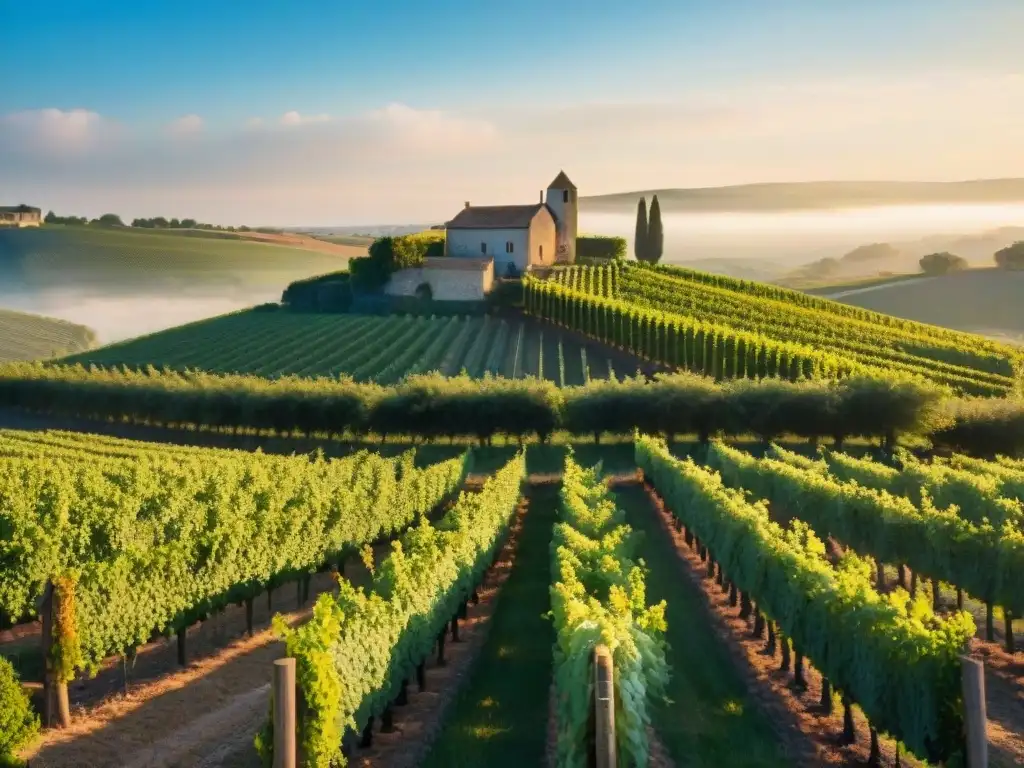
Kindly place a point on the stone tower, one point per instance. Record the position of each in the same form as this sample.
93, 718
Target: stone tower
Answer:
564, 203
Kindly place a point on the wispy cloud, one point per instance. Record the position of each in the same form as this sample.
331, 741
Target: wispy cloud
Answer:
294, 118
55, 130
399, 162
188, 125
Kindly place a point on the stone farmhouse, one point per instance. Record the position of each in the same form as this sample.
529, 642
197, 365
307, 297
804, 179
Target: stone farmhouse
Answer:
484, 243
20, 216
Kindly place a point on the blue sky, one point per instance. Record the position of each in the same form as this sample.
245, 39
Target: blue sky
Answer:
144, 104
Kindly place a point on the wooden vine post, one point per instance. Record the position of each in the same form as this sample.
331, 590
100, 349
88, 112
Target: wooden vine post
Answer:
604, 708
975, 718
56, 706
285, 752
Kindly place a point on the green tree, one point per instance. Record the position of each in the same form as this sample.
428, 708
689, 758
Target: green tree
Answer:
110, 220
655, 245
942, 263
51, 218
1011, 257
640, 239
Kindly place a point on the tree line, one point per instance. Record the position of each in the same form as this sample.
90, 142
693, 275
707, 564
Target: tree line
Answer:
434, 407
156, 222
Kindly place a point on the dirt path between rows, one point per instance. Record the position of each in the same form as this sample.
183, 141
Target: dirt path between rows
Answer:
210, 709
818, 729
208, 713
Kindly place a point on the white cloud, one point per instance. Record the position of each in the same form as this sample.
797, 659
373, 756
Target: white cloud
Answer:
55, 130
401, 163
294, 118
188, 125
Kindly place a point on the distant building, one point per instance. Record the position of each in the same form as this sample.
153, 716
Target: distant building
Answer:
518, 237
20, 216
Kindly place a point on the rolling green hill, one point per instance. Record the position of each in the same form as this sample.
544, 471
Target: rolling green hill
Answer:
109, 259
370, 348
33, 337
731, 328
814, 194
983, 301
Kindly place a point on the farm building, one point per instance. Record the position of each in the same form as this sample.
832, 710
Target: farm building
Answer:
466, 279
518, 237
20, 216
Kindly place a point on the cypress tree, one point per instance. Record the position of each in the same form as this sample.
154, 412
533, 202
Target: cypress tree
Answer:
655, 243
640, 239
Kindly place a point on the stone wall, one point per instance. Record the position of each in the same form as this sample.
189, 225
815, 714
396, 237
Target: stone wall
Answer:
457, 282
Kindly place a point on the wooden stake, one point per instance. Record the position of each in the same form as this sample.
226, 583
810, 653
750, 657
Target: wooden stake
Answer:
990, 624
285, 752
56, 705
1011, 645
849, 733
604, 708
975, 719
875, 756
440, 647
248, 616
421, 676
826, 696
182, 657
758, 623
902, 576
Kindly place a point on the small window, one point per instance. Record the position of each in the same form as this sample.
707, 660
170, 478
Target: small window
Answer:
509, 247
541, 253
565, 196
483, 247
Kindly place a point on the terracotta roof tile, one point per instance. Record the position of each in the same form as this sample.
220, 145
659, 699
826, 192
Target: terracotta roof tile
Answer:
495, 217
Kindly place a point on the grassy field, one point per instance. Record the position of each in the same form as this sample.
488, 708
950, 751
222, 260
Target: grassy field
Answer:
984, 301
500, 718
709, 710
33, 337
86, 257
369, 348
356, 241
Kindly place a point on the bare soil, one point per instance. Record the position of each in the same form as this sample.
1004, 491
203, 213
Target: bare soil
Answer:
162, 714
815, 739
304, 242
417, 724
207, 713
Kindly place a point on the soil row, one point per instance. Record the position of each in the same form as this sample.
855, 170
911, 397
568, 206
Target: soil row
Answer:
812, 725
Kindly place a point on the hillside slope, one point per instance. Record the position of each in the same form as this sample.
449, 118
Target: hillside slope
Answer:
33, 337
989, 302
815, 194
729, 328
87, 257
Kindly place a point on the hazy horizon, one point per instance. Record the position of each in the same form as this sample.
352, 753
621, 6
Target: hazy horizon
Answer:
755, 245
339, 114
